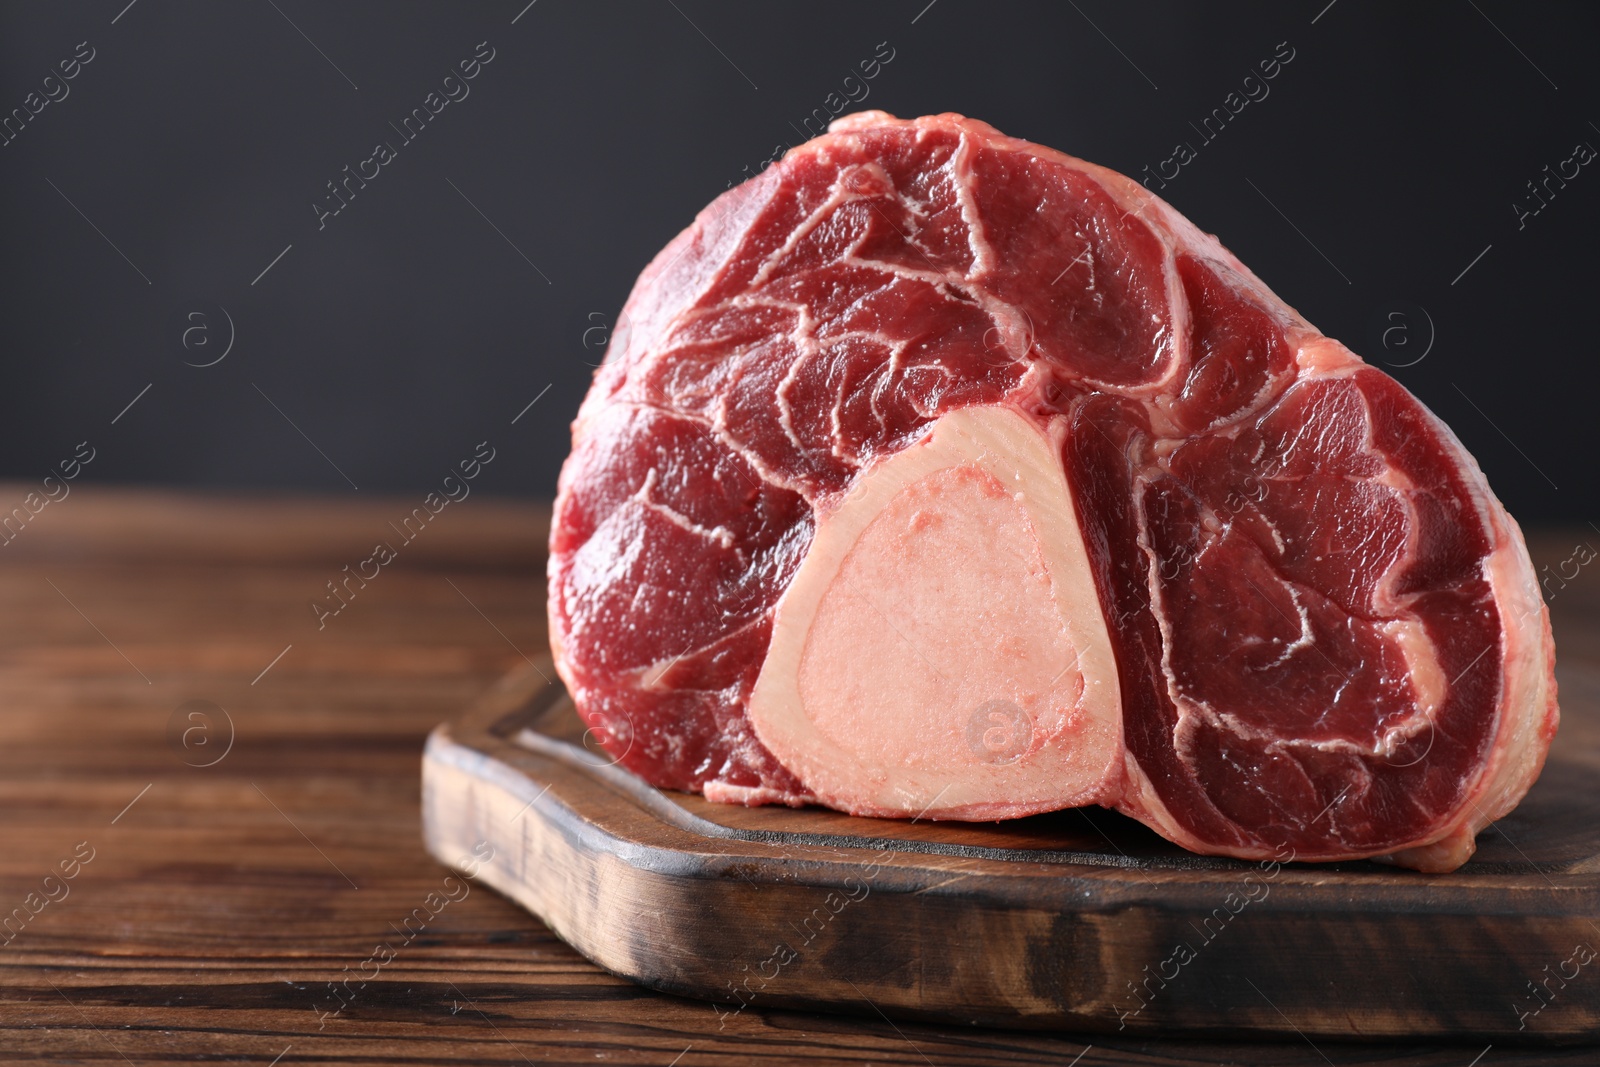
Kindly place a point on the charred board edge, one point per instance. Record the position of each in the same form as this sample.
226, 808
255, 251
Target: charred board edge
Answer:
921, 930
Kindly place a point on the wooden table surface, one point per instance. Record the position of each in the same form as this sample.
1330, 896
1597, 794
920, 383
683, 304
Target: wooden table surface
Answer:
220, 901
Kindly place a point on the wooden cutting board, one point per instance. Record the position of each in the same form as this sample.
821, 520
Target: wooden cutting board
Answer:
1079, 920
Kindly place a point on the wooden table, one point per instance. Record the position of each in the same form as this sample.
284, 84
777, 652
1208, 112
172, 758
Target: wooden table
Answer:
221, 900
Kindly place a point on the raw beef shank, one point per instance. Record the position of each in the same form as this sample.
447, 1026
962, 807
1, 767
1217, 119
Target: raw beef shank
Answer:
933, 473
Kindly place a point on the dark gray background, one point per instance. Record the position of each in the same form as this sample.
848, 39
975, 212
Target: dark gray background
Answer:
1386, 158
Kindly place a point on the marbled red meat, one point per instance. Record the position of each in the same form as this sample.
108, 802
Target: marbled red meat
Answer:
933, 472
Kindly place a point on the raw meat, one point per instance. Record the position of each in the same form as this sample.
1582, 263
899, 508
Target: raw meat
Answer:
936, 473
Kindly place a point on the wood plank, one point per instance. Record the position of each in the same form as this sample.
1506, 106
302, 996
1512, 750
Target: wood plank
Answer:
208, 924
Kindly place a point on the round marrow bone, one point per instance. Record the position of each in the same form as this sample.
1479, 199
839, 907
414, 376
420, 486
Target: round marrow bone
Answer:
955, 570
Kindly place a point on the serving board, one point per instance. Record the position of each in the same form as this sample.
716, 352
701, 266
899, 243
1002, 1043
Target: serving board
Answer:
1079, 920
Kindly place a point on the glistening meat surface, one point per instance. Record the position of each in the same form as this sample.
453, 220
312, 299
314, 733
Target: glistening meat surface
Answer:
933, 472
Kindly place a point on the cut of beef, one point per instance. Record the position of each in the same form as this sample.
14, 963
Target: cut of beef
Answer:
935, 473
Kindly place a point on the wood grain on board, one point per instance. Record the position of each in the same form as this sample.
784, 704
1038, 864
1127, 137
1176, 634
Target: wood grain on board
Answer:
221, 901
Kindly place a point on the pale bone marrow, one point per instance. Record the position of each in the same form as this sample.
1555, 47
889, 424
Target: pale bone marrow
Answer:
942, 645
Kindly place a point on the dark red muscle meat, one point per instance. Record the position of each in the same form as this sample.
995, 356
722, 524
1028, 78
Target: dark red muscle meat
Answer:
934, 472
